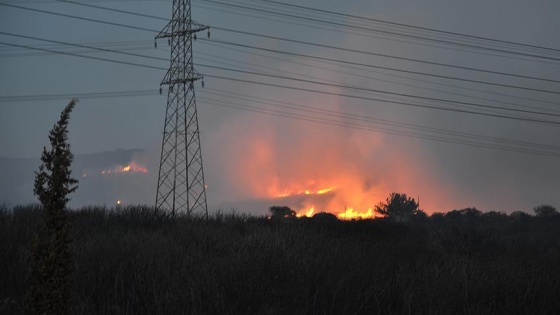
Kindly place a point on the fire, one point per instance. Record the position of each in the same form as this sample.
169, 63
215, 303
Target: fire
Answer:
325, 199
350, 214
293, 192
345, 172
306, 213
324, 191
132, 167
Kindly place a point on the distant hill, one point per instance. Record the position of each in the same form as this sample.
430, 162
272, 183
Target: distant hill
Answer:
102, 182
18, 175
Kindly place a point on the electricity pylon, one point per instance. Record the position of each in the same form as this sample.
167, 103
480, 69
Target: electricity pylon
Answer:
181, 186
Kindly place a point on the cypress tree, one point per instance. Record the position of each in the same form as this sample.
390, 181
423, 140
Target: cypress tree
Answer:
51, 258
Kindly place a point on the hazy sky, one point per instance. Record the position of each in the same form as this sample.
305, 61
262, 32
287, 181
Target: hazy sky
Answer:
364, 148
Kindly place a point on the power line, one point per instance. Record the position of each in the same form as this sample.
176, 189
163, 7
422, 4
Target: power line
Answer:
113, 10
382, 31
316, 110
328, 46
380, 100
380, 91
84, 56
310, 24
302, 89
487, 39
308, 56
413, 26
260, 66
135, 42
288, 78
79, 18
82, 46
83, 51
334, 122
90, 95
387, 56
316, 82
384, 68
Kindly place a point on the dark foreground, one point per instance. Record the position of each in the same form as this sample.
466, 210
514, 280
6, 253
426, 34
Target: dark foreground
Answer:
132, 261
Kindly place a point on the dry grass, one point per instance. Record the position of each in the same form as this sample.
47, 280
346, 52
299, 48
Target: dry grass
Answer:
136, 261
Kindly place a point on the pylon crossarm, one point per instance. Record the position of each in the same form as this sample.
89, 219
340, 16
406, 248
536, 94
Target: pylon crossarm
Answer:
164, 33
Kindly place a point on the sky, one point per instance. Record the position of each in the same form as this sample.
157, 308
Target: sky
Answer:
363, 136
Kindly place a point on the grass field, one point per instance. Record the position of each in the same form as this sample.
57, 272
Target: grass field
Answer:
132, 260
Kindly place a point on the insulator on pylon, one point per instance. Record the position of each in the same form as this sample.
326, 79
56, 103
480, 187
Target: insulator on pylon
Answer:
160, 90
202, 82
168, 42
155, 44
208, 33
195, 37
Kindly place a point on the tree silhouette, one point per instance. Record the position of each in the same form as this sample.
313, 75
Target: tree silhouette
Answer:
398, 207
325, 217
282, 212
545, 211
469, 215
50, 251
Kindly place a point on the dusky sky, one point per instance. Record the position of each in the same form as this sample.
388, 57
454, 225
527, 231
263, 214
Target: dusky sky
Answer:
491, 143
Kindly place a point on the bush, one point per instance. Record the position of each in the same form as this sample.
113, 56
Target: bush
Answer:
398, 207
545, 211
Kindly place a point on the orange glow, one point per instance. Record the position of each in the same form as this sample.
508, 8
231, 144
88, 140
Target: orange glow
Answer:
324, 191
132, 167
350, 214
307, 213
345, 172
331, 200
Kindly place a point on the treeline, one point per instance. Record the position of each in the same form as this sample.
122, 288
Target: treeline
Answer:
138, 261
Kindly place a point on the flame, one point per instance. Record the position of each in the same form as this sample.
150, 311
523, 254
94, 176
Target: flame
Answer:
132, 167
307, 213
295, 192
324, 191
309, 204
350, 214
305, 166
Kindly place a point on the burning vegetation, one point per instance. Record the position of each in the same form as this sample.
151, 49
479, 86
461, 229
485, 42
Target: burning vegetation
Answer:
397, 206
132, 167
313, 170
312, 201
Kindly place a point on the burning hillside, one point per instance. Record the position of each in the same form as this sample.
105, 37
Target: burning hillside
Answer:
313, 168
132, 167
346, 201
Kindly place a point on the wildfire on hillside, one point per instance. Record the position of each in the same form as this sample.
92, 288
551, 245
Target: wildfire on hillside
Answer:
132, 167
345, 202
313, 169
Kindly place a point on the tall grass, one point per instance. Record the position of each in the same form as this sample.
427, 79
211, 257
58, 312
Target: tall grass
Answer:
138, 261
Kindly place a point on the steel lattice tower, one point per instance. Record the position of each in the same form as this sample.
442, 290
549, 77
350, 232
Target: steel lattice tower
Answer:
181, 186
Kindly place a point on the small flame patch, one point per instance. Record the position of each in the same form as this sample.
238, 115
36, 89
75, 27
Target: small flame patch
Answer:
132, 167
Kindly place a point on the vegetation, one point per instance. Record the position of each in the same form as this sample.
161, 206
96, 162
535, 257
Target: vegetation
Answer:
51, 260
398, 207
136, 260
282, 212
545, 211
